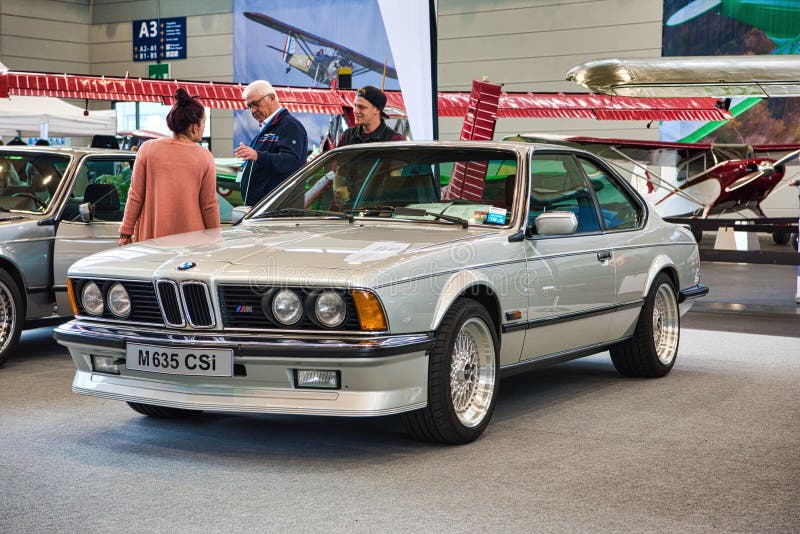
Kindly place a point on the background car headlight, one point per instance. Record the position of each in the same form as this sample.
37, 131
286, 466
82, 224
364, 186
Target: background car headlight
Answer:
92, 299
287, 307
330, 309
118, 301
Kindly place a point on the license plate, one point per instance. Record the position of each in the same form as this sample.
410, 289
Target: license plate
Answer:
178, 360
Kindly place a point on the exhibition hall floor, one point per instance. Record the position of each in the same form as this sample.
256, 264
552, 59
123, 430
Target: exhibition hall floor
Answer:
574, 447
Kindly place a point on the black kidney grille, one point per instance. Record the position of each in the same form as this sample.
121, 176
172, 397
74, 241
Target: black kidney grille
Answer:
241, 308
197, 302
170, 306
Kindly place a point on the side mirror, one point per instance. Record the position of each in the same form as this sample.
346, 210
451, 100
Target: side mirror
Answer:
556, 223
238, 213
85, 210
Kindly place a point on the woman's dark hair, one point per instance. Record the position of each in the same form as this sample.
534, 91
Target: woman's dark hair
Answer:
185, 112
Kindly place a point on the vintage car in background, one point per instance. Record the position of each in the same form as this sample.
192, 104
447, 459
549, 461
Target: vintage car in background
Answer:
389, 278
43, 229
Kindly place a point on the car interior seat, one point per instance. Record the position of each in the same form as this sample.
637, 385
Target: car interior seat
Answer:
105, 201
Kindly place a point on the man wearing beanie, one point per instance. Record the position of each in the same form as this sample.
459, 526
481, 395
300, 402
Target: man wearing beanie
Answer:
369, 115
369, 128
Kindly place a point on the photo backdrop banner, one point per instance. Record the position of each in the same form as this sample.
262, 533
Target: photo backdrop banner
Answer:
735, 27
301, 43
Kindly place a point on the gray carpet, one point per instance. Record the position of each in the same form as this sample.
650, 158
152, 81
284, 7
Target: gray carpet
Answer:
573, 448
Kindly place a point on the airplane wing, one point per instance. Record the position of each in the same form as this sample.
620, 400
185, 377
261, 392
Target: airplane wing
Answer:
226, 95
587, 106
716, 76
352, 55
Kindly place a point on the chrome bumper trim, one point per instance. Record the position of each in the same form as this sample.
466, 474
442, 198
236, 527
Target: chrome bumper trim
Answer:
114, 337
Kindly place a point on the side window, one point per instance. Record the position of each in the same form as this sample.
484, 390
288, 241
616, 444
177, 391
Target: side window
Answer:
618, 209
104, 183
557, 184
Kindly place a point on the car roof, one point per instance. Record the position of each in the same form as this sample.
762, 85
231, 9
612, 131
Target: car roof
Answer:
498, 145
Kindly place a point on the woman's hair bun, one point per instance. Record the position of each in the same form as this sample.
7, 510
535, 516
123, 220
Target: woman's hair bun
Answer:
182, 97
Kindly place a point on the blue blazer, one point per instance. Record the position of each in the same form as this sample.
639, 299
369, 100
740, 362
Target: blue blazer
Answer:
282, 149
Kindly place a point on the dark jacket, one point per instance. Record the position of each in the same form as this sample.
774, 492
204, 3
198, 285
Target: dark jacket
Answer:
282, 149
354, 135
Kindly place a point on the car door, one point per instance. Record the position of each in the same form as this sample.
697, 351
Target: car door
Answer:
622, 215
102, 181
570, 278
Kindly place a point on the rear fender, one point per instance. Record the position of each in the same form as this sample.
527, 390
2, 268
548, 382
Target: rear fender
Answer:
662, 262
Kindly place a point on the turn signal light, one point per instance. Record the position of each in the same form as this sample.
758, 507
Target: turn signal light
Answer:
370, 311
71, 295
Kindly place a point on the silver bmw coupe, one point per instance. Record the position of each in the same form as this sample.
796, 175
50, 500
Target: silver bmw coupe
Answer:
389, 278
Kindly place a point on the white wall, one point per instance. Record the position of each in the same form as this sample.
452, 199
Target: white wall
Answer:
530, 45
525, 45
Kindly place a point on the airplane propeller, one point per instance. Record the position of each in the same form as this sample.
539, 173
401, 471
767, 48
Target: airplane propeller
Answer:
767, 171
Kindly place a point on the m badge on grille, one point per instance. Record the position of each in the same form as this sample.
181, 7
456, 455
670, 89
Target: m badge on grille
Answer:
186, 266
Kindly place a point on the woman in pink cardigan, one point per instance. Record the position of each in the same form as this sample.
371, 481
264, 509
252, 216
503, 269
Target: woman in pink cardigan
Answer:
173, 186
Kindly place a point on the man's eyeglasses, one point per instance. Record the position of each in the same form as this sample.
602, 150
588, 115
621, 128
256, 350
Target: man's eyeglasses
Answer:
255, 103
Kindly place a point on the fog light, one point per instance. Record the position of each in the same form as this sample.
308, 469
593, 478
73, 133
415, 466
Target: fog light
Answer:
105, 364
316, 379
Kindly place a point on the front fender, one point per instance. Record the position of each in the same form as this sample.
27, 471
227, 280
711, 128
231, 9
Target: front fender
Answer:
453, 287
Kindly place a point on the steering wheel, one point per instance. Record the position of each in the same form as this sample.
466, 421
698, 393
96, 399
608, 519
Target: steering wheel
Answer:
39, 202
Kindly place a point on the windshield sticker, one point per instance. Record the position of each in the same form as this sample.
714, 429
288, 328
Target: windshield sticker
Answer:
376, 251
496, 215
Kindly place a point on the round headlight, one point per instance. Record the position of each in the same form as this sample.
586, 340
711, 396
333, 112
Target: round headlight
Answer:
118, 301
330, 309
287, 307
92, 299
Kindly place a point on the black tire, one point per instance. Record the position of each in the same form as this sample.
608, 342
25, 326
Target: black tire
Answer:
698, 234
473, 383
162, 412
652, 350
12, 315
793, 241
780, 237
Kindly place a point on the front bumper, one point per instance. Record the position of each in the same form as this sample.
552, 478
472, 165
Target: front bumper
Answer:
380, 375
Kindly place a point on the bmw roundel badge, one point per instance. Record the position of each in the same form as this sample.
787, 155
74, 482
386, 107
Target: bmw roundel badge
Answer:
186, 266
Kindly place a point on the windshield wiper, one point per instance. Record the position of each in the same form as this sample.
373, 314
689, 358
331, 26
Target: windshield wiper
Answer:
288, 212
417, 212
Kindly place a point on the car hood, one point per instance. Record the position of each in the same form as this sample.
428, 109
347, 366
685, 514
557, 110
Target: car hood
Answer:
281, 251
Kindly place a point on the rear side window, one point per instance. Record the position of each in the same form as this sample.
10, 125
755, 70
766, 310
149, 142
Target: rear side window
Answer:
617, 208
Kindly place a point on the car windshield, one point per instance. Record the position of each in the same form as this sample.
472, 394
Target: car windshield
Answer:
28, 180
445, 184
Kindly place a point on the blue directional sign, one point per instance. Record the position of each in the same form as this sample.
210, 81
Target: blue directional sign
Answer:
157, 39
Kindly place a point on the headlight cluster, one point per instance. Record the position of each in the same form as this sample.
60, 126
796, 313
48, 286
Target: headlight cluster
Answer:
326, 308
116, 300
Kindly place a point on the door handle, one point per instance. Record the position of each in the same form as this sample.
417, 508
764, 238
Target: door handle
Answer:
604, 255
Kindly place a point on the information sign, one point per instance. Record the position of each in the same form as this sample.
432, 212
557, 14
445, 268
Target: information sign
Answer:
157, 39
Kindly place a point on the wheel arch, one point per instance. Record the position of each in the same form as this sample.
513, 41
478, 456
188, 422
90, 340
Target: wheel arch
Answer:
662, 264
469, 285
14, 272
